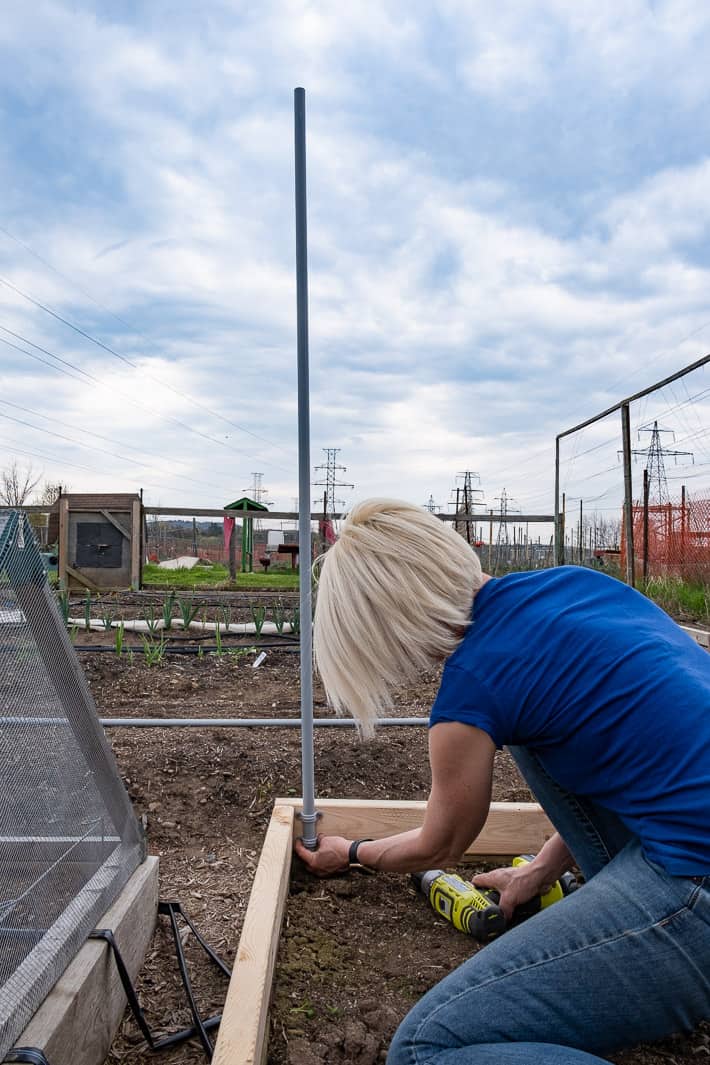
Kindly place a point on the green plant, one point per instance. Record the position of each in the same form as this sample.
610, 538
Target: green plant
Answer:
218, 641
151, 621
168, 611
200, 651
258, 615
73, 632
188, 611
226, 615
296, 621
87, 612
153, 651
107, 618
279, 616
306, 1009
119, 638
63, 598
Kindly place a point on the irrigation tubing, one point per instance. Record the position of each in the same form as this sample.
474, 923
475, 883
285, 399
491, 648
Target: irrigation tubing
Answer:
205, 649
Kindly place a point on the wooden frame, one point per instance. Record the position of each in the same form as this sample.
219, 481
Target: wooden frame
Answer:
510, 829
124, 513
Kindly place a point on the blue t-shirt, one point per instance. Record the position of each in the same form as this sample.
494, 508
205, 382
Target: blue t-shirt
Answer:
606, 689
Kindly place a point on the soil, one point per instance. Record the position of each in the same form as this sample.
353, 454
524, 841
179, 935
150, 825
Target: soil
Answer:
357, 951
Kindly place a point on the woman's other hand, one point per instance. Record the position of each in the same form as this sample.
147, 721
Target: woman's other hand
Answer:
514, 885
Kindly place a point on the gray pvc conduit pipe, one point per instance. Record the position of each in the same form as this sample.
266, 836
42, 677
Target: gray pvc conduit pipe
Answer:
218, 722
308, 813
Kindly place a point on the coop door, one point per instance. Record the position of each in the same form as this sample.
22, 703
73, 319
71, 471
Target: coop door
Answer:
99, 545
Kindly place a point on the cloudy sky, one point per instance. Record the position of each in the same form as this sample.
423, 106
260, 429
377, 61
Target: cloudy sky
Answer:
508, 222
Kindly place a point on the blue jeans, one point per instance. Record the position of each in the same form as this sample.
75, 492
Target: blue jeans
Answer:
624, 960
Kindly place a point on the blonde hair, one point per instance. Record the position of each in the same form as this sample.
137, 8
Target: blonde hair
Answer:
394, 599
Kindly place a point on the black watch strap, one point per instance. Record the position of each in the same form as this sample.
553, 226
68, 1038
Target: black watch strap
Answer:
353, 860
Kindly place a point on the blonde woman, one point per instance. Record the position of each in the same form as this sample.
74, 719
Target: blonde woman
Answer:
605, 704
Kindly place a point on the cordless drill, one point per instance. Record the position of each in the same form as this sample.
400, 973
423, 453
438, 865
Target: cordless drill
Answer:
475, 911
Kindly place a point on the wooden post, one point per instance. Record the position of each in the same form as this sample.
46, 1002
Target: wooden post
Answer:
581, 532
645, 524
136, 544
233, 553
682, 528
63, 552
628, 494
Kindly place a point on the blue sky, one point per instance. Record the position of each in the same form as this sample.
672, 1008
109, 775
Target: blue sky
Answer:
508, 221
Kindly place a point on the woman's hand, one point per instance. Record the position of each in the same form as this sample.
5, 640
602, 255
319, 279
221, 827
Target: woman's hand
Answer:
515, 885
330, 857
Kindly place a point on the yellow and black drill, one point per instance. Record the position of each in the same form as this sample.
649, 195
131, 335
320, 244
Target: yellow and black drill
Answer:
475, 911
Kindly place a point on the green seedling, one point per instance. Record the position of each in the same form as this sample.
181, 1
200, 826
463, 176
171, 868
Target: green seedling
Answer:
296, 621
168, 611
188, 611
119, 638
87, 612
305, 1009
279, 616
73, 633
63, 598
200, 651
151, 621
153, 651
258, 615
226, 615
218, 641
107, 619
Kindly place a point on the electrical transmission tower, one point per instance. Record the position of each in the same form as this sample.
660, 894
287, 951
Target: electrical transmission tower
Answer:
430, 505
502, 536
466, 501
258, 493
655, 456
331, 482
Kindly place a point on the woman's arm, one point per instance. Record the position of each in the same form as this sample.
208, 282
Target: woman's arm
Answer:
461, 758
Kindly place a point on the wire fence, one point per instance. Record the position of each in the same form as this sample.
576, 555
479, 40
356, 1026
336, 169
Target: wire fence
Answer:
634, 483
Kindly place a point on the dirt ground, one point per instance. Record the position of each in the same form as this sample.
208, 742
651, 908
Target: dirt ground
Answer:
356, 951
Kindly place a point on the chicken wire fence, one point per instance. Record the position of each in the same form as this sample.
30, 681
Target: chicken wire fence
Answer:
69, 839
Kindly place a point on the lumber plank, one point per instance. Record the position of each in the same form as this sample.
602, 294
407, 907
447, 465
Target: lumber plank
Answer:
81, 578
77, 1021
115, 522
511, 827
243, 1032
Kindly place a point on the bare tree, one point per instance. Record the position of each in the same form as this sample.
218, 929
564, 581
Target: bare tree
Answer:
16, 485
48, 494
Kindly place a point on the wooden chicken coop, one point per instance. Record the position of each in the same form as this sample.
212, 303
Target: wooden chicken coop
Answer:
100, 541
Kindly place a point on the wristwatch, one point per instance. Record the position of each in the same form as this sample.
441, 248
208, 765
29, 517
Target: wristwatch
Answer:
353, 862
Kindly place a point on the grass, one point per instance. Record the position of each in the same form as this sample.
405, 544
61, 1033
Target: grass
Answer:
679, 598
217, 577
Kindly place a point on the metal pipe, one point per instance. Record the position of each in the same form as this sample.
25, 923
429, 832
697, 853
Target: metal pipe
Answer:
637, 395
308, 814
216, 722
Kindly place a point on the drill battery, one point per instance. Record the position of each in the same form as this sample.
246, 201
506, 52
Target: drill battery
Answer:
476, 911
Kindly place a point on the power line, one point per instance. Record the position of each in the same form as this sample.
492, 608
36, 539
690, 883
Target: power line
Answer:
107, 439
129, 362
124, 395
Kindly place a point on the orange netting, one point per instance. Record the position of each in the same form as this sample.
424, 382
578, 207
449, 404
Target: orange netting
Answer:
678, 539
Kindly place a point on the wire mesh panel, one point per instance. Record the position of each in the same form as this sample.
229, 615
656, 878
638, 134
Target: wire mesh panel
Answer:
69, 839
